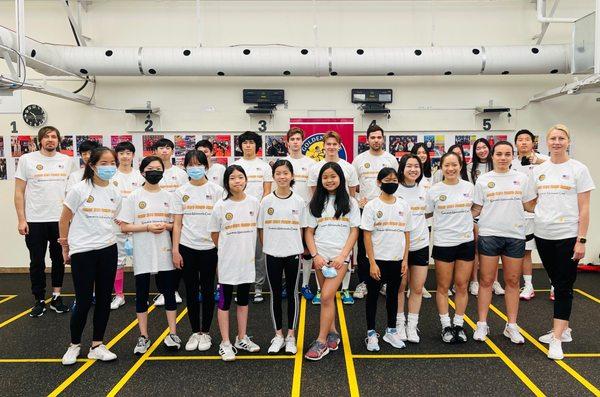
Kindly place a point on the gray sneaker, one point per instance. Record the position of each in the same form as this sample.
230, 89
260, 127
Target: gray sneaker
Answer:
143, 344
316, 351
173, 341
333, 341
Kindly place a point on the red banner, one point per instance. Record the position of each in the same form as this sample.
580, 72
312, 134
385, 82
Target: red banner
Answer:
314, 128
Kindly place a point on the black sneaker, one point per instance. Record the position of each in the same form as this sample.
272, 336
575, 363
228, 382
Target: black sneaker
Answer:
448, 335
459, 334
58, 306
38, 310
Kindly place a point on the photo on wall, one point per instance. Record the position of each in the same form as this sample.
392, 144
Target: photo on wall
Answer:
466, 142
66, 145
435, 164
3, 170
148, 141
80, 138
362, 145
401, 144
116, 139
183, 144
22, 144
1, 146
221, 144
275, 146
492, 139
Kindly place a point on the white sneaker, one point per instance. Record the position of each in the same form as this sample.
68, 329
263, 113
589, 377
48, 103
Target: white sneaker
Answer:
426, 294
555, 350
401, 330
258, 296
449, 292
383, 289
173, 341
277, 344
513, 334
394, 339
527, 292
178, 297
117, 302
497, 288
192, 343
481, 332
71, 355
159, 300
412, 333
290, 345
360, 291
372, 342
246, 344
474, 288
227, 351
565, 337
101, 353
143, 344
204, 342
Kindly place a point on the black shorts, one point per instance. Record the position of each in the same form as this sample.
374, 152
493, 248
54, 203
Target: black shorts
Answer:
462, 252
419, 257
495, 246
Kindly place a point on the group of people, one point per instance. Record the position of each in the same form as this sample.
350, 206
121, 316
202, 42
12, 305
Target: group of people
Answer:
240, 226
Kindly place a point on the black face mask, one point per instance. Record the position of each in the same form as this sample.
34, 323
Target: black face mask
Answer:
153, 177
389, 188
525, 160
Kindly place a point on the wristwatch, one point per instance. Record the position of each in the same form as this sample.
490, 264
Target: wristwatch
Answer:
582, 240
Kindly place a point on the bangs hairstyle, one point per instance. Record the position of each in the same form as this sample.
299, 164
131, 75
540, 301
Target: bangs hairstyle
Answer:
228, 171
293, 131
332, 134
45, 131
321, 196
404, 160
147, 160
426, 167
122, 146
163, 142
250, 136
476, 160
463, 164
284, 163
524, 132
205, 143
87, 146
88, 172
384, 172
500, 143
195, 154
374, 128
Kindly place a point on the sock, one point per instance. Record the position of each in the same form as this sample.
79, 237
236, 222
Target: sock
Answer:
119, 279
371, 332
306, 268
527, 279
413, 319
513, 325
458, 320
346, 280
479, 323
445, 320
400, 319
55, 295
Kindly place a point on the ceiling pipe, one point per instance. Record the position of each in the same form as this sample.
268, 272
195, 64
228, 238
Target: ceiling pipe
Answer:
541, 15
291, 61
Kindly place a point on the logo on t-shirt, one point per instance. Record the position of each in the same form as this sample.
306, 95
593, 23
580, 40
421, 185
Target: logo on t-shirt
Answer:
90, 199
542, 177
367, 165
185, 198
115, 183
313, 147
270, 211
379, 214
142, 204
517, 183
491, 185
443, 197
229, 216
400, 213
39, 167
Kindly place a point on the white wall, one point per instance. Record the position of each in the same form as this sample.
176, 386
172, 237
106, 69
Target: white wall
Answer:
420, 104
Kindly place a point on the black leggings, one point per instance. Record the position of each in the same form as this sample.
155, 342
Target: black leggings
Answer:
361, 258
226, 295
556, 257
41, 235
392, 276
199, 270
165, 282
93, 268
275, 269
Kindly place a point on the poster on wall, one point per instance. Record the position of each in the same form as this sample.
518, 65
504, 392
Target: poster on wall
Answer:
492, 139
116, 139
66, 145
3, 169
96, 138
221, 144
401, 144
148, 141
183, 144
435, 144
466, 142
275, 146
361, 144
1, 146
314, 128
22, 144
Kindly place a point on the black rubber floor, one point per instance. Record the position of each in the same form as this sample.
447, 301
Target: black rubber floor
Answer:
30, 352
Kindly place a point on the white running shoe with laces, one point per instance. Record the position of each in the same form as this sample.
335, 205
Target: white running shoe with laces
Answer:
246, 344
117, 302
178, 297
474, 288
227, 351
527, 293
513, 333
277, 344
394, 339
372, 342
360, 291
555, 349
204, 343
71, 355
173, 341
412, 333
497, 288
481, 332
290, 345
565, 337
143, 344
101, 353
192, 343
426, 294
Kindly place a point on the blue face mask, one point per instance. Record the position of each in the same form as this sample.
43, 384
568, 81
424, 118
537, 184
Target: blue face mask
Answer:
329, 272
106, 172
196, 172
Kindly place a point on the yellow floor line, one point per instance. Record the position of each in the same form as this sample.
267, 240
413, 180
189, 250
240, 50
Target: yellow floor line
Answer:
560, 363
142, 359
196, 358
7, 298
299, 358
88, 364
352, 382
509, 363
37, 360
591, 297
582, 355
424, 356
18, 316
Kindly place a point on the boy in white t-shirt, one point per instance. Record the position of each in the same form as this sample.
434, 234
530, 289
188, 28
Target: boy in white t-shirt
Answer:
259, 183
215, 171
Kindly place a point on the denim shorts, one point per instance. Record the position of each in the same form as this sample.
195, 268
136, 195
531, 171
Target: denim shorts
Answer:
495, 246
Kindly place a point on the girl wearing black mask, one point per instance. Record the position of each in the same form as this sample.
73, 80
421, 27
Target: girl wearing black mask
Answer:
386, 222
146, 213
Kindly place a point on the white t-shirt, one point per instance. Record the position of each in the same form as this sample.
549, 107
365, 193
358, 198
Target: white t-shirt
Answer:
196, 204
482, 168
257, 172
74, 178
451, 207
367, 167
215, 173
426, 183
347, 169
388, 223
127, 183
502, 197
302, 167
557, 209
173, 178
94, 210
151, 252
235, 221
527, 170
282, 221
46, 179
416, 197
331, 234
